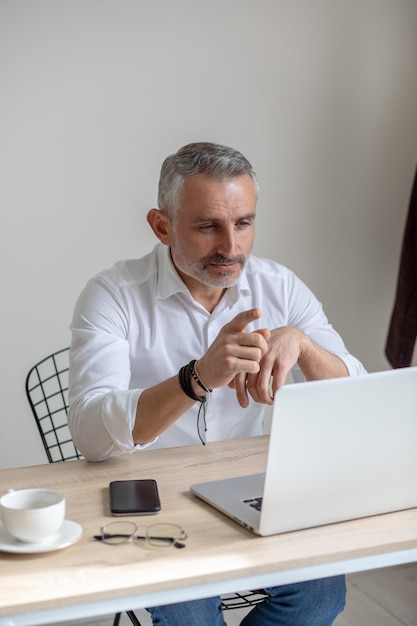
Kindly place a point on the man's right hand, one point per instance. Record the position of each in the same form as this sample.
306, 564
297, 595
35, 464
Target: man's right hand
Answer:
234, 351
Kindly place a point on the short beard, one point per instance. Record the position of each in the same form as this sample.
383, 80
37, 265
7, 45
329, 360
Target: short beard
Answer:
198, 270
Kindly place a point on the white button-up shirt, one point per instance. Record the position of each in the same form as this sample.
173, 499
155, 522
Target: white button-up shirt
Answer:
137, 324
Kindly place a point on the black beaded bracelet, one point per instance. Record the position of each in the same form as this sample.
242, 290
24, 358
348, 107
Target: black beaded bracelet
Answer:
196, 376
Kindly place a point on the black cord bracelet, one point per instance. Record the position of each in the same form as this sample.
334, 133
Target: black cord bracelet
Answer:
184, 378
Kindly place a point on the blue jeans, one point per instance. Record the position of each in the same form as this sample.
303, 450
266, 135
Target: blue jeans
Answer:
312, 603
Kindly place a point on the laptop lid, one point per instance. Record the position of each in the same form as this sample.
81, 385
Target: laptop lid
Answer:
339, 449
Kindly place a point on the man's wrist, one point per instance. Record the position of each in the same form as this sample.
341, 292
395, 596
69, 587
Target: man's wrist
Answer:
191, 384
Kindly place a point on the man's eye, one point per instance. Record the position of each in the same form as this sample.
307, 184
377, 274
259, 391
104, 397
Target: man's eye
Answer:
207, 227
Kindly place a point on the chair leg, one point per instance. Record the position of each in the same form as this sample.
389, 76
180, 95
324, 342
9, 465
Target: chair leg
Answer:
131, 615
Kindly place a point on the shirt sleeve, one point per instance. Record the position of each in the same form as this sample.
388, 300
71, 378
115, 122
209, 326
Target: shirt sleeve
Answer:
102, 407
306, 312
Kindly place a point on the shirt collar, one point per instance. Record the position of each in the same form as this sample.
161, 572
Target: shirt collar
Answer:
169, 281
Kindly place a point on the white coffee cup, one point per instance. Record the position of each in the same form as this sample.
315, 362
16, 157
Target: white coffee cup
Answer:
32, 515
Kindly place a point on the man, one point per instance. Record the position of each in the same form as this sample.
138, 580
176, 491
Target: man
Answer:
190, 342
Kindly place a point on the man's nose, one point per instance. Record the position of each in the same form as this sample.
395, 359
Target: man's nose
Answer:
227, 244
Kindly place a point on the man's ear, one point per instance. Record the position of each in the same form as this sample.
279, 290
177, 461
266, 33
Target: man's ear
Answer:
160, 224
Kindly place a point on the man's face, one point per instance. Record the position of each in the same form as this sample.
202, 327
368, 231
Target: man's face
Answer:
212, 232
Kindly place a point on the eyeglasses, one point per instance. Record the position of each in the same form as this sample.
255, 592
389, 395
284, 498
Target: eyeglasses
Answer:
157, 535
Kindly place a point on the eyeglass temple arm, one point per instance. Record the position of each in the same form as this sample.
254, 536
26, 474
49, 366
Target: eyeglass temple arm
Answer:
174, 542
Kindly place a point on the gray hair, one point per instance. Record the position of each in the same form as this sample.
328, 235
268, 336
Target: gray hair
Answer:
220, 162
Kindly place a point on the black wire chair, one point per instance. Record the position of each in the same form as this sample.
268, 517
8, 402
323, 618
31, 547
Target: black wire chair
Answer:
47, 393
242, 600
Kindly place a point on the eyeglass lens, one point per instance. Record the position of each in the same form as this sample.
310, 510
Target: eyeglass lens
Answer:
118, 532
165, 535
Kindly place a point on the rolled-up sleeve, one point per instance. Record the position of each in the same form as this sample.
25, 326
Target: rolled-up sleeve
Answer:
102, 407
305, 311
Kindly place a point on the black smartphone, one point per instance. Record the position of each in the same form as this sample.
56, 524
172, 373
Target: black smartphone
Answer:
134, 497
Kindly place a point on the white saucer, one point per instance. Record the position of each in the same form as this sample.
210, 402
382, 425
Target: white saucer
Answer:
69, 534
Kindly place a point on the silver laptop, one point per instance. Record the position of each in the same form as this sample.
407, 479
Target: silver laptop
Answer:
339, 449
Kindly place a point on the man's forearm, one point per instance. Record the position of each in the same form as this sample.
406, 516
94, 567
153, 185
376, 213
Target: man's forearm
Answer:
158, 407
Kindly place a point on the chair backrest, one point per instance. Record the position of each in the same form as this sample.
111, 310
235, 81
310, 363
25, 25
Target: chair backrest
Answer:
47, 393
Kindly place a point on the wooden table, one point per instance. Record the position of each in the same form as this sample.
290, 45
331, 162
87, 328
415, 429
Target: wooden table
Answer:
90, 578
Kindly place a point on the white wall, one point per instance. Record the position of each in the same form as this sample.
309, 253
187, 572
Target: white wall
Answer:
320, 95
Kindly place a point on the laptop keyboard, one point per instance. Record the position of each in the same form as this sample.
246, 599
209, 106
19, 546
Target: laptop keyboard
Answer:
255, 503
